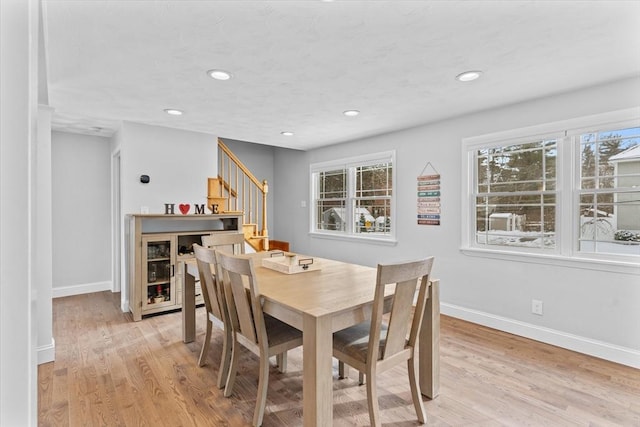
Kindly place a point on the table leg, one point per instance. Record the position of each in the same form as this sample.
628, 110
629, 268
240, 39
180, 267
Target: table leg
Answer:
429, 344
317, 387
188, 305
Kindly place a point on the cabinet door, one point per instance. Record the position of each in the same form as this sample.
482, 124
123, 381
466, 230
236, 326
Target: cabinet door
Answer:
158, 273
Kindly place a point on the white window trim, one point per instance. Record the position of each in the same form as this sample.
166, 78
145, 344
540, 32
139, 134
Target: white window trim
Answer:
566, 252
369, 158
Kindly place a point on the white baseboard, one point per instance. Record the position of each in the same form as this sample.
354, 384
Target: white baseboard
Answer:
600, 349
47, 353
84, 288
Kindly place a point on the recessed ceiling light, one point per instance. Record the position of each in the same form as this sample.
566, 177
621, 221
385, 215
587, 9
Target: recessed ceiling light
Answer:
173, 112
351, 113
468, 76
286, 133
219, 74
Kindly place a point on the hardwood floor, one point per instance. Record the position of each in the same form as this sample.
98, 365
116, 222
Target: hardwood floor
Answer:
111, 371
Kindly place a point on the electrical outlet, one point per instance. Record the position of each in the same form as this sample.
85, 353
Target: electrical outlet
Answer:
536, 307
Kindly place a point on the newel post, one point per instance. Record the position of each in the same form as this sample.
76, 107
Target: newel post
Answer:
265, 191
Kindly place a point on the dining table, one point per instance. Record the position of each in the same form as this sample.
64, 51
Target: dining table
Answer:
332, 296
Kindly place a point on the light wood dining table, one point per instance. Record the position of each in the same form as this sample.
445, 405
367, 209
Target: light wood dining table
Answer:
320, 302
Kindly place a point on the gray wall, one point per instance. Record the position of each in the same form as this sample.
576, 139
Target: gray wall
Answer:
593, 311
260, 160
81, 213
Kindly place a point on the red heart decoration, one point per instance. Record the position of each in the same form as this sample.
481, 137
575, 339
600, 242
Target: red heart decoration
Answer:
184, 208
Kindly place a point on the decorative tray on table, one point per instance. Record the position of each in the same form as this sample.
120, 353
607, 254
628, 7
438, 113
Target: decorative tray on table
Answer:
290, 263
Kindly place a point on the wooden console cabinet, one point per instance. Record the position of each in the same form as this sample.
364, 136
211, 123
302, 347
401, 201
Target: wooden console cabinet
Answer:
155, 245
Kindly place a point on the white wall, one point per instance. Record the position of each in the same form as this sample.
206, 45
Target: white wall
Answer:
81, 213
18, 141
177, 161
591, 311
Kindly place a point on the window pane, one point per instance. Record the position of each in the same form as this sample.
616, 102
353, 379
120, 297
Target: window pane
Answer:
627, 211
588, 162
373, 180
332, 184
610, 219
372, 216
482, 164
518, 220
608, 155
482, 218
331, 215
519, 167
515, 203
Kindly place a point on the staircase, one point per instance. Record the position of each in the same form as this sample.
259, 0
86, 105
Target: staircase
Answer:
236, 189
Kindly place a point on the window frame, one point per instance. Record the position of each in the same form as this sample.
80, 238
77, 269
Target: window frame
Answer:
349, 165
567, 227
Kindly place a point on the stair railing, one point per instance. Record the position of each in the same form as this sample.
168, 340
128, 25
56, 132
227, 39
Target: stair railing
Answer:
243, 190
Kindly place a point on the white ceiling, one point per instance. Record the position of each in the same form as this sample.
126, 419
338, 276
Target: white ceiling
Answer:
297, 65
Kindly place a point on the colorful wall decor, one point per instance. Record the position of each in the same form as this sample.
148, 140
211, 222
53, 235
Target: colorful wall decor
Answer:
429, 197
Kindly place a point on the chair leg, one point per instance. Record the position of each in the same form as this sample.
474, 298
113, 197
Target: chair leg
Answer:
233, 368
372, 396
343, 370
416, 395
205, 345
281, 360
225, 361
263, 383
360, 378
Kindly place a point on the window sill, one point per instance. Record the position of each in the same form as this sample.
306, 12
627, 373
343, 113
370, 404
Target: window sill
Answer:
387, 241
583, 262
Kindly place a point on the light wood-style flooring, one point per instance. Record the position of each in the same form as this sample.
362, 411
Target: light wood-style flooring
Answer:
111, 371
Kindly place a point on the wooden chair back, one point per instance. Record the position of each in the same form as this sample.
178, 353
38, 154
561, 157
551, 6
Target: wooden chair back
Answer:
405, 276
211, 291
245, 311
229, 242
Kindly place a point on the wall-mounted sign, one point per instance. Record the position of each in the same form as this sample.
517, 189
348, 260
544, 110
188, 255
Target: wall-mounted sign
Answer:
429, 198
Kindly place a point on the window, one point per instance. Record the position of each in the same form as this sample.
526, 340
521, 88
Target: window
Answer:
569, 189
354, 197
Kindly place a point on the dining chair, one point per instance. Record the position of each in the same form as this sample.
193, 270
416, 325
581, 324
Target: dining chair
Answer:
262, 334
373, 347
212, 293
217, 312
